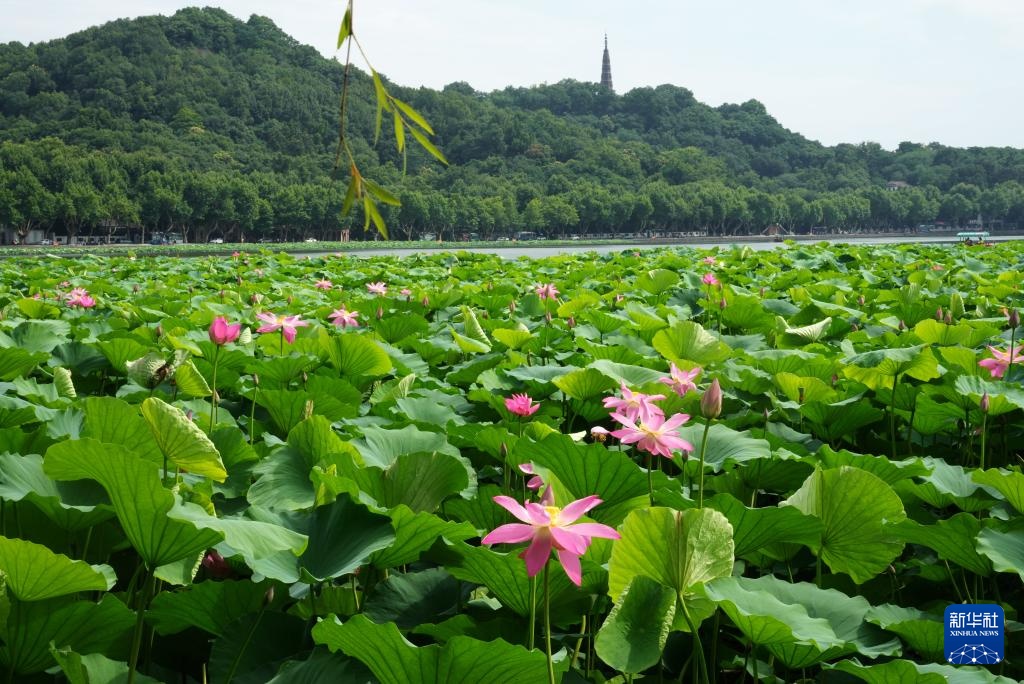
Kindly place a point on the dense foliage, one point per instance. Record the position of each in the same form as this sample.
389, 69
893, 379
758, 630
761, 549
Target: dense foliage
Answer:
185, 493
200, 122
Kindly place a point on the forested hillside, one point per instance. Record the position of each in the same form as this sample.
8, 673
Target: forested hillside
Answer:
206, 124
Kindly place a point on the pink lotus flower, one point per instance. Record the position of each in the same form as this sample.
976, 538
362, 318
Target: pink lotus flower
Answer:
657, 437
80, 297
405, 292
710, 279
599, 433
344, 318
636, 405
534, 482
709, 260
377, 288
998, 366
221, 332
521, 405
548, 291
547, 528
286, 324
681, 381
323, 284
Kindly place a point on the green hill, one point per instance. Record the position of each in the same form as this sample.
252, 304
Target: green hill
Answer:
203, 123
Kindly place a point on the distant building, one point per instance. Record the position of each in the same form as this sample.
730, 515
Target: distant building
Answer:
896, 185
606, 67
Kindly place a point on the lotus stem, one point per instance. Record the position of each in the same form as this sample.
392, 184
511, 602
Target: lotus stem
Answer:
650, 482
703, 449
984, 435
140, 614
531, 636
547, 624
213, 387
698, 647
892, 416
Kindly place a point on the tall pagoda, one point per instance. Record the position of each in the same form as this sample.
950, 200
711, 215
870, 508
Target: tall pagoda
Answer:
606, 67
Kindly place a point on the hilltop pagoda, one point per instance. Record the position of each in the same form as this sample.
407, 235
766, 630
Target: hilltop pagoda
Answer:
606, 67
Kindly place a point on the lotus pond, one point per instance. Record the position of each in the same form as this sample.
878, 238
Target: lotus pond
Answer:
671, 466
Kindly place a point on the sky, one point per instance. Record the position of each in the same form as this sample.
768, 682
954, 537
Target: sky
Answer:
836, 71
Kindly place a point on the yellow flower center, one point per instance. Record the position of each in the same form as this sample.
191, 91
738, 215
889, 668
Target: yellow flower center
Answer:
553, 512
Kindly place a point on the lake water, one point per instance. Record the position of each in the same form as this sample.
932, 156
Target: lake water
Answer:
539, 250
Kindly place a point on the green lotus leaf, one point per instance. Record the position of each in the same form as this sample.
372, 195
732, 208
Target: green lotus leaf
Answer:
462, 660
687, 341
633, 636
34, 573
858, 511
138, 497
182, 442
681, 550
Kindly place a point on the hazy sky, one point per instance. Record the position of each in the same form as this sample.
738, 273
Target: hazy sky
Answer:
833, 70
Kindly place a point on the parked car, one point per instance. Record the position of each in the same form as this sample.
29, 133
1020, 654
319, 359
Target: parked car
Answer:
310, 240
216, 241
46, 241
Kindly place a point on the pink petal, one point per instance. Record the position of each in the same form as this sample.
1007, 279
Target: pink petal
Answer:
574, 510
537, 553
513, 507
567, 540
571, 565
596, 530
267, 328
512, 533
289, 333
538, 514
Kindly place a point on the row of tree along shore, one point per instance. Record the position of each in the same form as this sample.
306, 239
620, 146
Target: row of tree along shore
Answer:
50, 191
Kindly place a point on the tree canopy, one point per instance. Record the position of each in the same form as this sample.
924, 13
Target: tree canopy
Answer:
203, 123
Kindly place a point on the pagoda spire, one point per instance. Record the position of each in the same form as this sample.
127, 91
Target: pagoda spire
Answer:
606, 67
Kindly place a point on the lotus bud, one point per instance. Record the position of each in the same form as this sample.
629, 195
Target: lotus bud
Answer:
1013, 318
722, 303
512, 307
268, 596
835, 379
800, 395
547, 317
188, 415
380, 312
860, 300
305, 378
985, 402
307, 410
135, 288
290, 299
854, 327
425, 302
949, 319
255, 298
903, 326
216, 566
767, 415
503, 450
256, 379
939, 315
619, 298
159, 330
956, 305
571, 321
761, 293
221, 293
711, 402
485, 314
